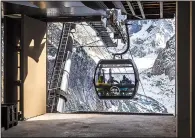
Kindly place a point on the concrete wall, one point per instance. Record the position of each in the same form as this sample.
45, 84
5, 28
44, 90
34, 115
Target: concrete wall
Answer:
34, 67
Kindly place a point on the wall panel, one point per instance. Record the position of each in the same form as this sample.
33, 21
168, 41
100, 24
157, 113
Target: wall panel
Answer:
34, 67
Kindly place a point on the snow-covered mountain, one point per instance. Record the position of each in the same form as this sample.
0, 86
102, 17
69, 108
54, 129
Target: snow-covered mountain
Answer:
152, 37
149, 39
165, 62
82, 97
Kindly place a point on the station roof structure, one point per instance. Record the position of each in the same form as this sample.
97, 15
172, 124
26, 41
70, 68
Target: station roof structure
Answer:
63, 11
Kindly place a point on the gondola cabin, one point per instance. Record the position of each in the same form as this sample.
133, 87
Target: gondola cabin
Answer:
116, 79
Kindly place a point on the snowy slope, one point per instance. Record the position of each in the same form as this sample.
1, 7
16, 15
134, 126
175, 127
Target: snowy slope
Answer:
82, 96
148, 39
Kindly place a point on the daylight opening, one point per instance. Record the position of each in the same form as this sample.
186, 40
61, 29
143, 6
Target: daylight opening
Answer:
152, 48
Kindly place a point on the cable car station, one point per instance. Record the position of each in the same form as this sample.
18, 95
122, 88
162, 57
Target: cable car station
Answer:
27, 31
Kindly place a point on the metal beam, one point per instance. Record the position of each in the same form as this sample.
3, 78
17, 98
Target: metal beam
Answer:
91, 46
161, 9
72, 19
119, 5
92, 42
131, 8
141, 9
102, 5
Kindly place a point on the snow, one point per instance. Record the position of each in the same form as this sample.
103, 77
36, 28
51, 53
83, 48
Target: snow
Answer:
113, 108
165, 97
142, 33
158, 93
51, 57
164, 92
145, 62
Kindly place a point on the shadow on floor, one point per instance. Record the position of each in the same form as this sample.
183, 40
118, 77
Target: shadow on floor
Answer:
94, 125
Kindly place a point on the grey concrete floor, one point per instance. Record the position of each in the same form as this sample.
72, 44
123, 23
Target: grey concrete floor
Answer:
94, 125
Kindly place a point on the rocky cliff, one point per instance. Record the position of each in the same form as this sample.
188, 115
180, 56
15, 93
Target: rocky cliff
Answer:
153, 49
165, 61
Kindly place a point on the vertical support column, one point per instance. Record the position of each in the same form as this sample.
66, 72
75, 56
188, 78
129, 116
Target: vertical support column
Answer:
65, 77
64, 83
190, 68
183, 68
192, 83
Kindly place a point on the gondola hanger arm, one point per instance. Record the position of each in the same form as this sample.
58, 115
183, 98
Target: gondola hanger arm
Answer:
128, 41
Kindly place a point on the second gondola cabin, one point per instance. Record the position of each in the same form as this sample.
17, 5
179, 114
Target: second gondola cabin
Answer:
116, 79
